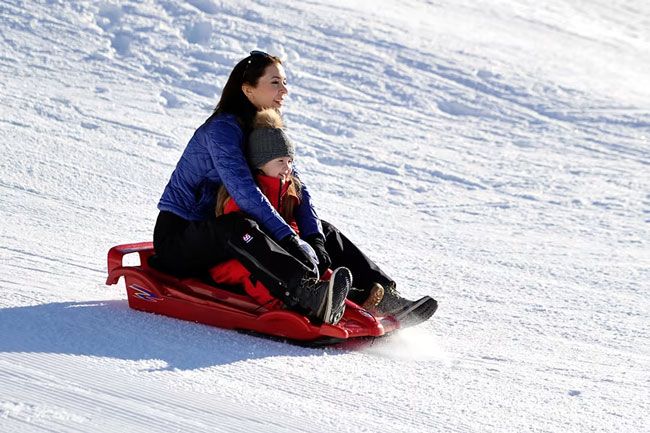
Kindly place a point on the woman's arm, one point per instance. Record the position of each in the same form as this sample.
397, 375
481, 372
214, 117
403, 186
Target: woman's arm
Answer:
311, 228
308, 222
224, 145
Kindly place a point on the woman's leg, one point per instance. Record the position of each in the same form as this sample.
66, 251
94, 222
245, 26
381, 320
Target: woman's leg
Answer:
187, 248
344, 253
366, 273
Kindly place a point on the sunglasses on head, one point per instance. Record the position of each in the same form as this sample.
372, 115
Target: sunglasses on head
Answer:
253, 54
259, 53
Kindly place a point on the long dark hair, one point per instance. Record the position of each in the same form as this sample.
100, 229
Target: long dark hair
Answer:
233, 100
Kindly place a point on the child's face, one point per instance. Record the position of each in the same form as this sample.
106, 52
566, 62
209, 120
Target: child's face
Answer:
278, 167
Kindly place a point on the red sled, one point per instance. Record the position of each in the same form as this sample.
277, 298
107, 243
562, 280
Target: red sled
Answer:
199, 301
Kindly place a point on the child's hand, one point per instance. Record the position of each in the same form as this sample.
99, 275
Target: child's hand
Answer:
318, 244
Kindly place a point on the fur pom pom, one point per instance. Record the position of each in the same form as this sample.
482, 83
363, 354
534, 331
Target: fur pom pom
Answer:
268, 118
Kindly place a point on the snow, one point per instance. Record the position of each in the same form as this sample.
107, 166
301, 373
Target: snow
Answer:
491, 154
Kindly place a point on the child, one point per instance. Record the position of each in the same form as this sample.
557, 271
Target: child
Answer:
270, 153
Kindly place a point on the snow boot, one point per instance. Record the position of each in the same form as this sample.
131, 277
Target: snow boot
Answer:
408, 313
374, 298
325, 300
416, 313
391, 302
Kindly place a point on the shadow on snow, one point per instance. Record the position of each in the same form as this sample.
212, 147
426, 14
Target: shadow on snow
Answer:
110, 329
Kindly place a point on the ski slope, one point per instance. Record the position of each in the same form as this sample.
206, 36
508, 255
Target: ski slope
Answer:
494, 155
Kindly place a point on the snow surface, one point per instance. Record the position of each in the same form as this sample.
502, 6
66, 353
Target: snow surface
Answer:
492, 154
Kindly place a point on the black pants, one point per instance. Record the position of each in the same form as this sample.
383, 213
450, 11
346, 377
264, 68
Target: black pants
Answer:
344, 253
189, 248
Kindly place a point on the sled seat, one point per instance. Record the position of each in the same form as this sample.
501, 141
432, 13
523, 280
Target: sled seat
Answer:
192, 289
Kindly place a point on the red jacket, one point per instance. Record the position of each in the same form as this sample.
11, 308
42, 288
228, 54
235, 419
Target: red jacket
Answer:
277, 191
232, 271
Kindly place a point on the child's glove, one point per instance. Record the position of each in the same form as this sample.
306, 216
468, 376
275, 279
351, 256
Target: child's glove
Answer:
318, 244
312, 255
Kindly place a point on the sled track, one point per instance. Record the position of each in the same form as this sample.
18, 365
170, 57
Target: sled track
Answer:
101, 399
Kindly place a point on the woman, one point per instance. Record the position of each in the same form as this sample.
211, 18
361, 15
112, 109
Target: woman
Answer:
189, 239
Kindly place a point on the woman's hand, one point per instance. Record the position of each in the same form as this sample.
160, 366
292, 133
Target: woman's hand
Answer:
300, 250
312, 255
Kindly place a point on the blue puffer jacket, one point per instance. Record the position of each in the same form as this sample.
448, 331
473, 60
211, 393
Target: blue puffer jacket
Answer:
215, 156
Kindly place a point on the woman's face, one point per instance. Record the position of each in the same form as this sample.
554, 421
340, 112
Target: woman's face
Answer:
271, 88
278, 167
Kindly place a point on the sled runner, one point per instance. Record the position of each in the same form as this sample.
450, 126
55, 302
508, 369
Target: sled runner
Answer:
204, 302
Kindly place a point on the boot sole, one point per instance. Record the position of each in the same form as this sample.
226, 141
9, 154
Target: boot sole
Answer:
339, 286
418, 312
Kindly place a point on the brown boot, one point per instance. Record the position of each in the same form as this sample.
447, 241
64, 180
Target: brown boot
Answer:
375, 297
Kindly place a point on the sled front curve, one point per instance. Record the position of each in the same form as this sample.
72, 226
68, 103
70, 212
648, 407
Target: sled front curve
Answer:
193, 300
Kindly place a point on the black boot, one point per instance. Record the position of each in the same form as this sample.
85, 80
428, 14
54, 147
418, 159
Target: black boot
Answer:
325, 300
392, 301
420, 311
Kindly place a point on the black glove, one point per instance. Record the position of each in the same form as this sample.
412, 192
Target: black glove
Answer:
291, 244
318, 244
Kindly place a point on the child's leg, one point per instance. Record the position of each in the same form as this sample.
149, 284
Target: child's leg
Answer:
233, 272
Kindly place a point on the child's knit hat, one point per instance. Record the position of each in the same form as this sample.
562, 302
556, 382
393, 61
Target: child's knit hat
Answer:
268, 141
